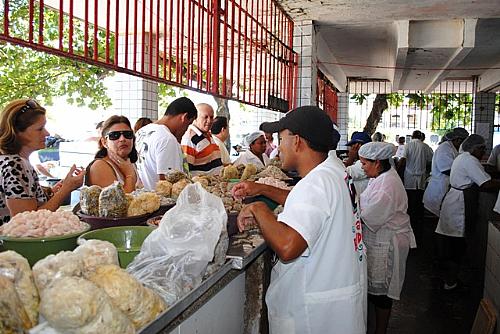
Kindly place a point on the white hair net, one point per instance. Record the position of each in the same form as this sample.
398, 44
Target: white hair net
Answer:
472, 142
253, 136
376, 151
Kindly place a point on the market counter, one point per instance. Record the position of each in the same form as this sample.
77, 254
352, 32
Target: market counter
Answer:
229, 301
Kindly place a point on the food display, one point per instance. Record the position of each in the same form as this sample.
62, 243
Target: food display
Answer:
274, 172
175, 176
271, 181
144, 203
179, 186
95, 253
89, 200
16, 269
76, 305
42, 223
13, 316
112, 201
249, 171
230, 172
140, 304
164, 188
63, 264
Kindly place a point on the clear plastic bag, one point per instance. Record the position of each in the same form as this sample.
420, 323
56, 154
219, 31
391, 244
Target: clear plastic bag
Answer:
174, 257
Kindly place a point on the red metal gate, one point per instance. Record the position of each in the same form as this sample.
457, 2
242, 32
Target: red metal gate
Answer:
237, 49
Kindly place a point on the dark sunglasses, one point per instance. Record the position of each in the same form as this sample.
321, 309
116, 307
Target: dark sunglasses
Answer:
30, 104
115, 135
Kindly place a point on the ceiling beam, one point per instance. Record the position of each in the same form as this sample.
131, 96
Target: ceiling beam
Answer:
469, 37
402, 30
326, 60
489, 80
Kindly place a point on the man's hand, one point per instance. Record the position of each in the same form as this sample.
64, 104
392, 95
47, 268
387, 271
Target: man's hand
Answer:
246, 217
246, 189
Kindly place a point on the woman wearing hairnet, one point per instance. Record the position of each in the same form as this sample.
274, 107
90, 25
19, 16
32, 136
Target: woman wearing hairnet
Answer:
459, 206
442, 159
387, 231
256, 151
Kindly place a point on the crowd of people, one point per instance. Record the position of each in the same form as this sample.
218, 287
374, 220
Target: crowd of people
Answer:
346, 229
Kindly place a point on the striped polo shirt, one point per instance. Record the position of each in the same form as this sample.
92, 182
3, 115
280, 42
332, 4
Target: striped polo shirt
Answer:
202, 153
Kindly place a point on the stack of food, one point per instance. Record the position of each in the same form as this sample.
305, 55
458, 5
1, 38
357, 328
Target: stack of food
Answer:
113, 202
241, 172
76, 292
42, 223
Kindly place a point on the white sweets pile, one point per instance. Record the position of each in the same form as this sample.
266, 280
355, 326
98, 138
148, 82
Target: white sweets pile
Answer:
42, 223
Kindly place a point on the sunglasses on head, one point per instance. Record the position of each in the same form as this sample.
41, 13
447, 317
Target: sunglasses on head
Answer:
115, 135
30, 104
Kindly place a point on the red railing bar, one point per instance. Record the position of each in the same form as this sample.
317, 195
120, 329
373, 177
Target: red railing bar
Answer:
70, 34
199, 77
6, 18
250, 44
267, 46
31, 18
143, 38
61, 23
157, 62
117, 31
127, 13
177, 69
96, 22
40, 18
233, 27
164, 39
238, 69
261, 54
245, 53
191, 61
224, 59
170, 40
257, 54
86, 30
135, 33
150, 67
108, 12
189, 49
182, 41
209, 45
216, 46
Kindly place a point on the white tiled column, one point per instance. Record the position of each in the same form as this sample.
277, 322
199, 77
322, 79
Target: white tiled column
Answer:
484, 115
303, 44
136, 97
343, 119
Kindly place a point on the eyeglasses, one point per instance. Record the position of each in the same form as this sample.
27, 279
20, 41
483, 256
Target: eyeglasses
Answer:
30, 104
115, 135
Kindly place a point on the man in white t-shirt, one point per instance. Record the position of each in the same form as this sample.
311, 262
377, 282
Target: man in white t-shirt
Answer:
158, 143
220, 133
494, 159
319, 285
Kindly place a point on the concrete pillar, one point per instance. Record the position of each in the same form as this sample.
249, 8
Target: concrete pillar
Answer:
343, 119
303, 44
483, 117
136, 97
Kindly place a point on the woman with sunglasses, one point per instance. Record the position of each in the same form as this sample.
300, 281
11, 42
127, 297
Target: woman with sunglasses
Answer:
22, 132
115, 160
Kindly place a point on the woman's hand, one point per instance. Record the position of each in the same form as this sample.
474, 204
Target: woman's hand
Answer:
124, 165
74, 179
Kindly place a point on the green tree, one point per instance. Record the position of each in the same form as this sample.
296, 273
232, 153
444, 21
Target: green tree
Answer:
28, 73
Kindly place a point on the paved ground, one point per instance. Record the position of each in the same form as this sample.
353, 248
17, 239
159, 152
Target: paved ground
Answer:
426, 308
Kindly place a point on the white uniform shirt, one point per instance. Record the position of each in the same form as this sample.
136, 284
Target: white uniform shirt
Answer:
388, 235
494, 159
438, 185
466, 171
248, 157
323, 290
358, 176
400, 151
417, 156
224, 154
159, 152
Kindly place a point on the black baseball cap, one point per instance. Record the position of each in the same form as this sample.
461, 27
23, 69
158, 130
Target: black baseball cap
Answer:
310, 123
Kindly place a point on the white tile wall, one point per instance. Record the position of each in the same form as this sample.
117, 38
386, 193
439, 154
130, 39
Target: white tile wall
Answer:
492, 272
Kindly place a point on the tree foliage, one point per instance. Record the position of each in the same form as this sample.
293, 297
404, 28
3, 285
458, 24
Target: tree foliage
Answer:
29, 73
